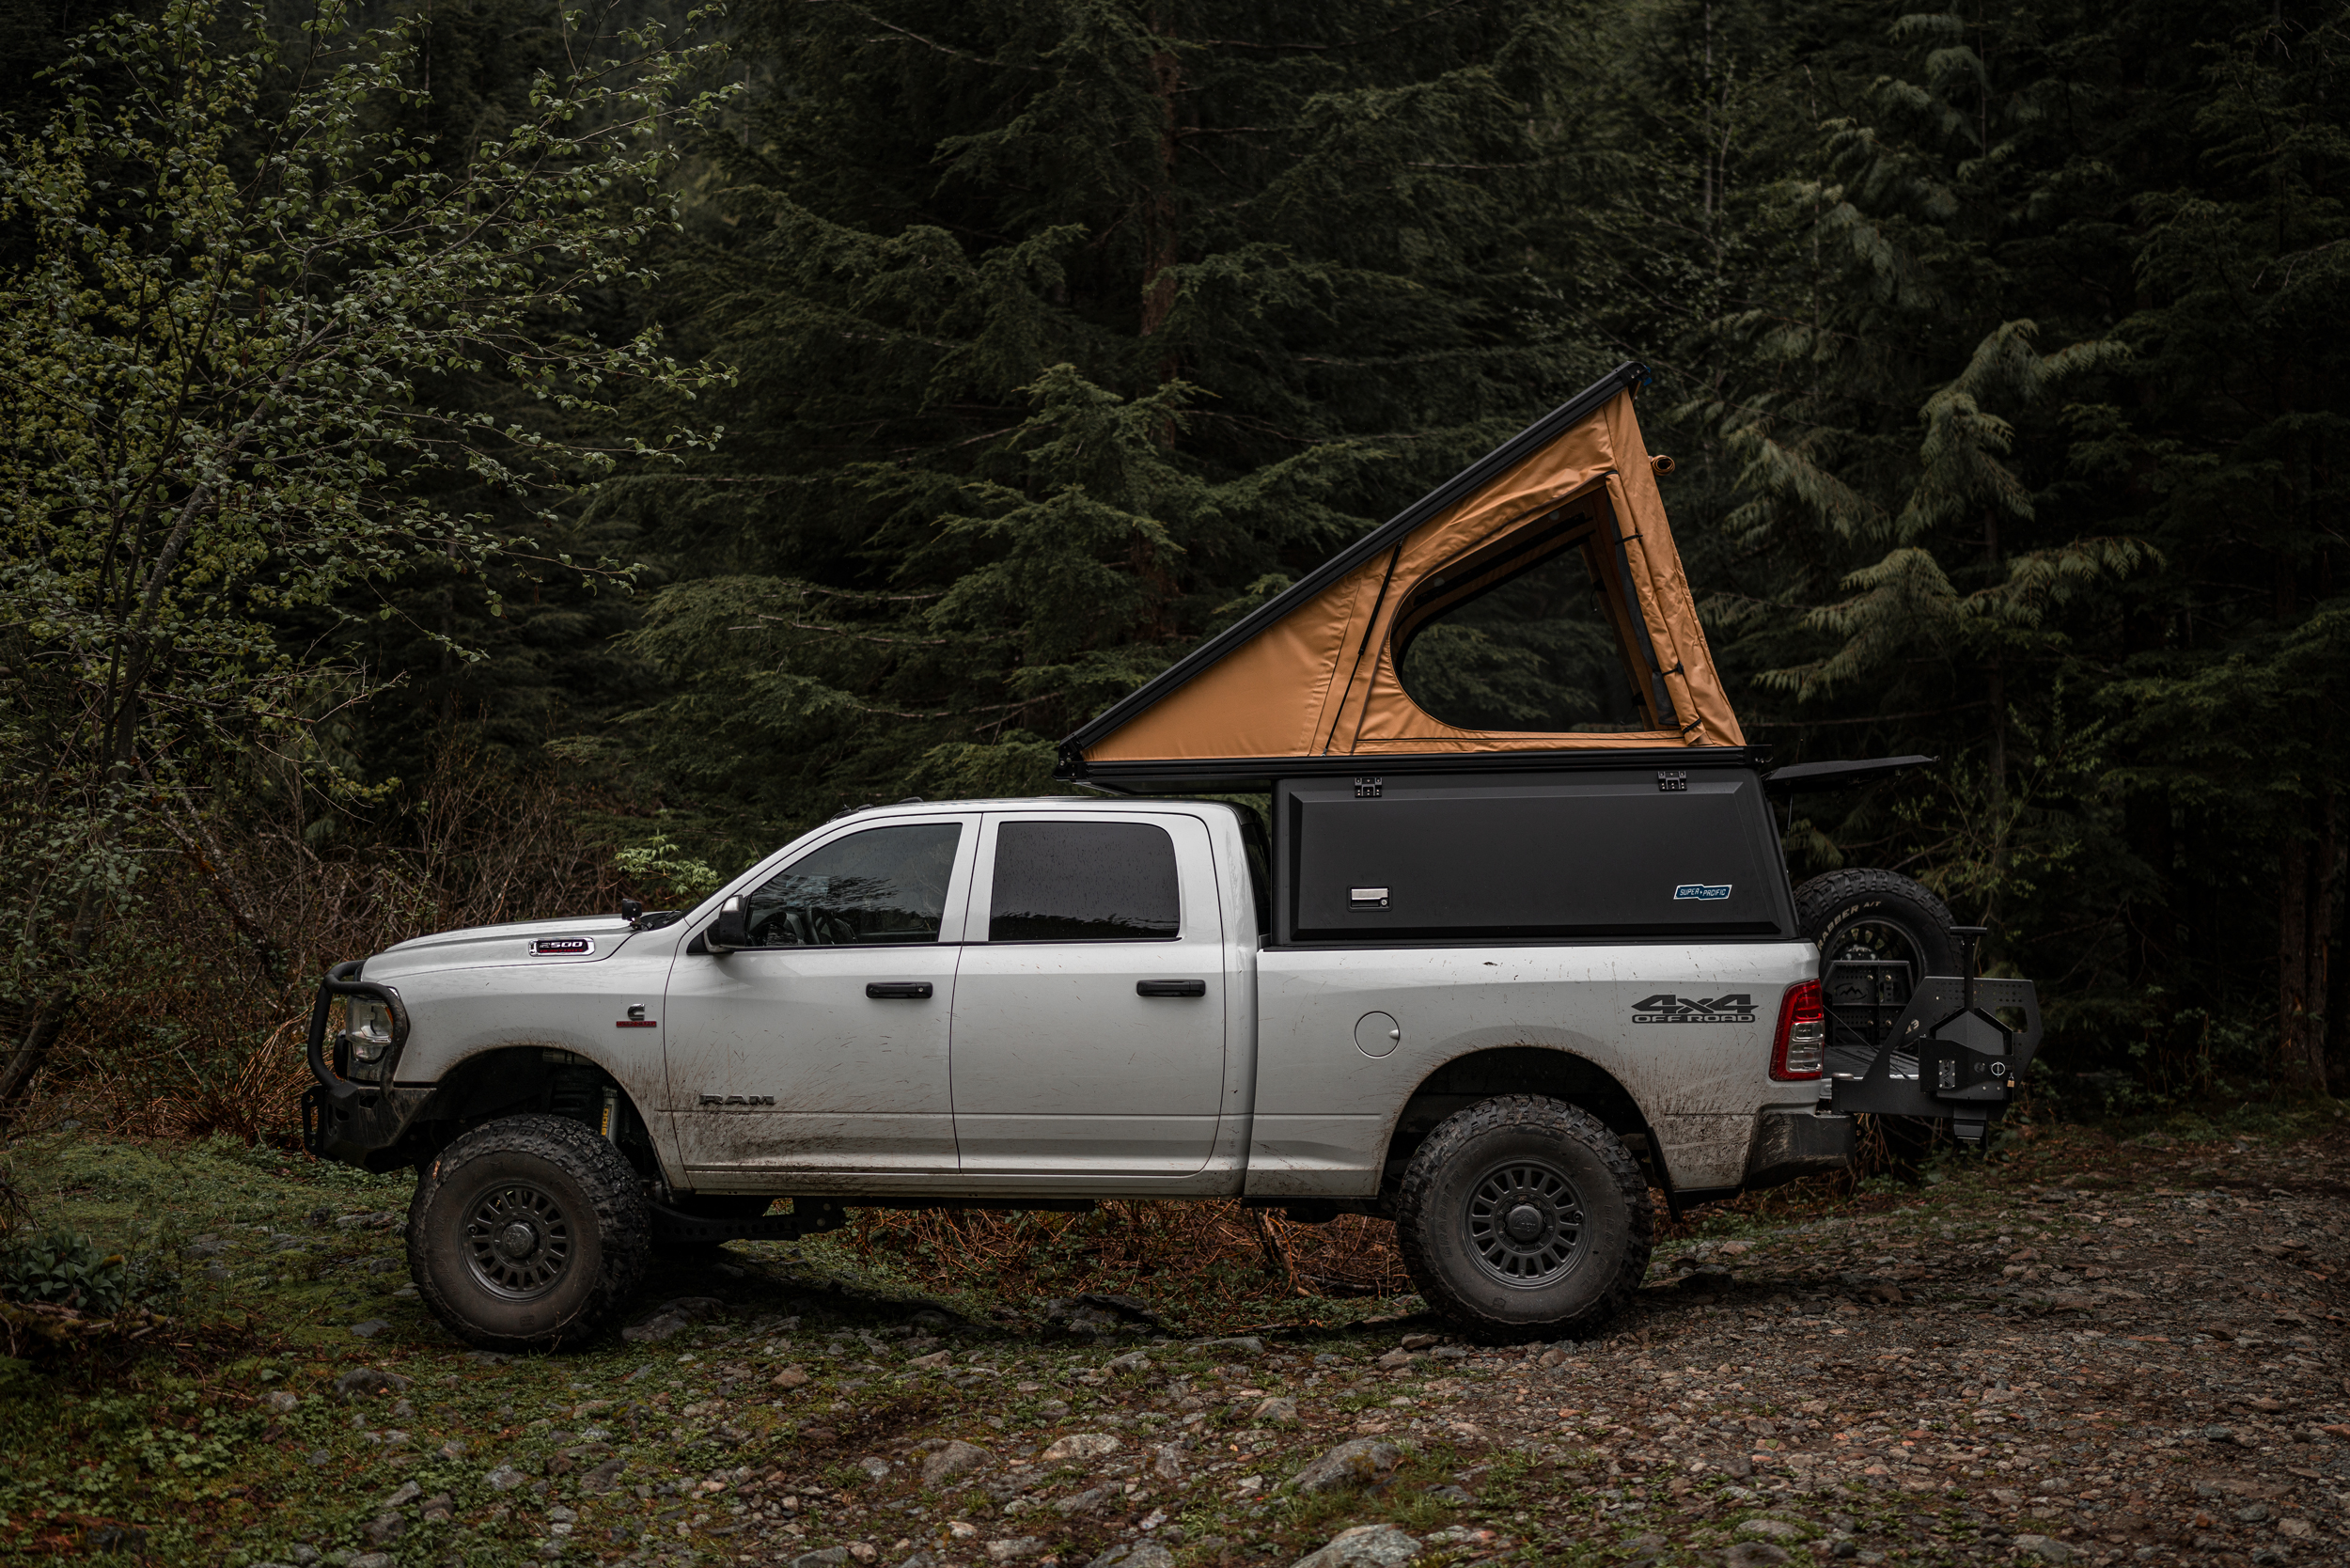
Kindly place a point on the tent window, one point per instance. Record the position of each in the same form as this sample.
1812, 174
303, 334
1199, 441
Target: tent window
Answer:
1532, 633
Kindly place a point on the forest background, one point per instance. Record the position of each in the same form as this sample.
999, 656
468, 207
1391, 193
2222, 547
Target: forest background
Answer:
2001, 353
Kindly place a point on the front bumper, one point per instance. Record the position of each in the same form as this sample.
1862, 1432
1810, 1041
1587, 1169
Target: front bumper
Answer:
350, 1121
362, 1130
1790, 1145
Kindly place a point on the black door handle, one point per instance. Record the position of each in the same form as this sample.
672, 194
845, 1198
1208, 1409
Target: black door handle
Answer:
899, 991
1170, 988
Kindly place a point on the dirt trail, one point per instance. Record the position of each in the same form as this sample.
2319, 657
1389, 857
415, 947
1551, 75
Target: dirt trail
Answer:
2084, 1352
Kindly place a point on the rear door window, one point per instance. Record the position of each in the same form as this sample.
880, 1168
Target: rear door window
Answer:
1084, 882
882, 885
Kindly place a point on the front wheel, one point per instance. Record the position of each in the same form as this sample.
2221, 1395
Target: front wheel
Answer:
527, 1233
1523, 1212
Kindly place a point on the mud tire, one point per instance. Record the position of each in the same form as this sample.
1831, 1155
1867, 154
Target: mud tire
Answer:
1845, 904
1478, 1153
562, 1284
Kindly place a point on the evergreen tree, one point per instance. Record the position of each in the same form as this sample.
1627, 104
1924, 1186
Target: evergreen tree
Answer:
2235, 664
1064, 333
2008, 284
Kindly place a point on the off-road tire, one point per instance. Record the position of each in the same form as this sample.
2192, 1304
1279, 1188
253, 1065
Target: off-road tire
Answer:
1827, 907
1471, 1165
588, 1234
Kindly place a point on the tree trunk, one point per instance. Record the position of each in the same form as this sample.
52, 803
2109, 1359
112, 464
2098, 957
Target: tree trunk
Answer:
2336, 1034
1995, 693
26, 1045
2305, 919
1162, 227
28, 1039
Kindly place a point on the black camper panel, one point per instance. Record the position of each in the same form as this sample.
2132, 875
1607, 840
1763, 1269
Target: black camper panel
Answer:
1594, 854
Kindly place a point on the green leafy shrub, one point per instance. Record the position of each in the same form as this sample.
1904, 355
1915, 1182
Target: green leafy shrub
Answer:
60, 1268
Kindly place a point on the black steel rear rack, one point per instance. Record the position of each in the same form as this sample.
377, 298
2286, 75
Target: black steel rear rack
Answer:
1950, 1054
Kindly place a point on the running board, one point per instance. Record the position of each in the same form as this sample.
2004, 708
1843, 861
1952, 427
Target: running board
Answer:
807, 1217
813, 1215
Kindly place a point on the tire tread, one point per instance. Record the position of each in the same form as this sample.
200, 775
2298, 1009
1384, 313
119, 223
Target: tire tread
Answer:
1503, 1113
615, 1194
1827, 899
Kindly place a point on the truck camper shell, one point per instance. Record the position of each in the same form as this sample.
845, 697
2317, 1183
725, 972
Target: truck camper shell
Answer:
1311, 683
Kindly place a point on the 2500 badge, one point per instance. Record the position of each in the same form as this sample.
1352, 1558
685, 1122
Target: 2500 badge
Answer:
1665, 1008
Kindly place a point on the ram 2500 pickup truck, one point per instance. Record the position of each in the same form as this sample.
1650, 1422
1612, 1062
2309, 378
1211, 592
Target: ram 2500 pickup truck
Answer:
1497, 1010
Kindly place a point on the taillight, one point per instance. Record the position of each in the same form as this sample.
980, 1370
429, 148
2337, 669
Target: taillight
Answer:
1801, 1049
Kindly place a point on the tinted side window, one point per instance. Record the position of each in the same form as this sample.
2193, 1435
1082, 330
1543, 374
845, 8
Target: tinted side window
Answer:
1084, 882
882, 885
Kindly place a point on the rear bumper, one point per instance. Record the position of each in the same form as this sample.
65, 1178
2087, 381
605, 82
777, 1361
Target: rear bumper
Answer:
1792, 1144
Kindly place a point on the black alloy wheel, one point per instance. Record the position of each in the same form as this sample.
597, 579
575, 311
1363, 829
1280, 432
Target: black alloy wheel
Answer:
529, 1232
1525, 1223
519, 1241
1524, 1214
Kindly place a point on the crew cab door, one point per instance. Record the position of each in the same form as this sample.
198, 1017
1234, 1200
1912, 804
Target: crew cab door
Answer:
824, 1047
1088, 1029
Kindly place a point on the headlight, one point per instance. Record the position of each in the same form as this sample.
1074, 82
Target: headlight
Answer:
367, 1028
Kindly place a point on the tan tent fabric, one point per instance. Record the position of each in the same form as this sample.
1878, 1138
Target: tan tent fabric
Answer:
1322, 679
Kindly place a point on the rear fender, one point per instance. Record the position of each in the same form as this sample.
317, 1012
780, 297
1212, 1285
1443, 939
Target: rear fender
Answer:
1480, 1075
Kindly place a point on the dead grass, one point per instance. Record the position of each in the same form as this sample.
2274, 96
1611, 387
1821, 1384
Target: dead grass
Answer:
201, 1028
1209, 1252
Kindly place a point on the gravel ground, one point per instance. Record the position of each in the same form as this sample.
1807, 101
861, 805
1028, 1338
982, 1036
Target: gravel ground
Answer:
2086, 1352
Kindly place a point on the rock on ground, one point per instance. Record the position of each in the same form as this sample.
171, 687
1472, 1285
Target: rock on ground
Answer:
1358, 1462
951, 1461
1364, 1546
1081, 1445
1135, 1554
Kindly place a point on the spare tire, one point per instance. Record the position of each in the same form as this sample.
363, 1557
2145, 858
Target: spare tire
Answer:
1864, 912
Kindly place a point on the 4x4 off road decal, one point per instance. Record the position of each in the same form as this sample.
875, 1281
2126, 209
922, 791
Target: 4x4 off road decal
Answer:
1706, 890
1665, 1008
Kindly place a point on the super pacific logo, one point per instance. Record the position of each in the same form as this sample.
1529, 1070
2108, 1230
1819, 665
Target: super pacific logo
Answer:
1665, 1008
1706, 890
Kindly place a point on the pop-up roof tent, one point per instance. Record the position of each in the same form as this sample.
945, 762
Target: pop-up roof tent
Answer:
1312, 680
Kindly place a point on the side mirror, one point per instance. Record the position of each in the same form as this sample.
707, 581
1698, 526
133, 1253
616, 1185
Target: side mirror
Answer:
731, 930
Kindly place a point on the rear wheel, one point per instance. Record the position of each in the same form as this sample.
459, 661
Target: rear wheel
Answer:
527, 1233
1523, 1212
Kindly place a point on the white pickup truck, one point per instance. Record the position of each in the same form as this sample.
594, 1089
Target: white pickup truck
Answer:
1500, 1034
1494, 984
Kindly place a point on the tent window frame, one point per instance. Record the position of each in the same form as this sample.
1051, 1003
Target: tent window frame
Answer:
1586, 523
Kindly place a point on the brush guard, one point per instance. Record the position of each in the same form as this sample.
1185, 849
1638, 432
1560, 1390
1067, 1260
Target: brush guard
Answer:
1937, 1047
